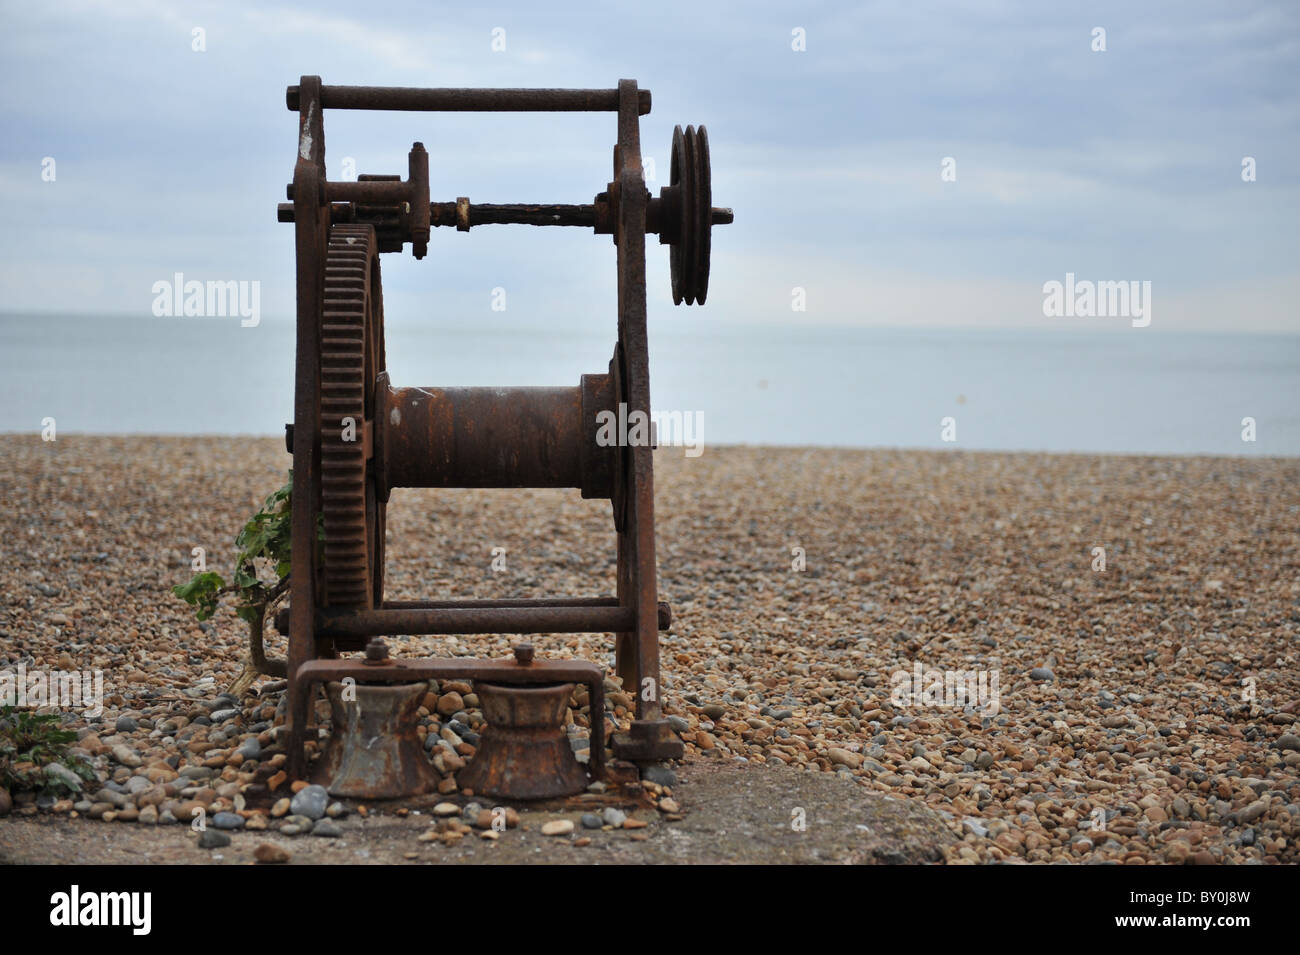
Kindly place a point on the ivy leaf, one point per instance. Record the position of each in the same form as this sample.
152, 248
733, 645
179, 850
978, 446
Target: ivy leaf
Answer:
268, 534
248, 612
201, 591
245, 575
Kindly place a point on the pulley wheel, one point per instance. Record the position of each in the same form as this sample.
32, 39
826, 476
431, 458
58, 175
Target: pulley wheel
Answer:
688, 215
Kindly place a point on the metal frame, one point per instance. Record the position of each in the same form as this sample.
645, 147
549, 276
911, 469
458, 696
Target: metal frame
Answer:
628, 212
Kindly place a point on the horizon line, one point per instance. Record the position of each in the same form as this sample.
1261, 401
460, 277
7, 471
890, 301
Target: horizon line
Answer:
1089, 325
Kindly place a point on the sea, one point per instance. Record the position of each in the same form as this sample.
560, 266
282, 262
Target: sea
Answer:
1111, 391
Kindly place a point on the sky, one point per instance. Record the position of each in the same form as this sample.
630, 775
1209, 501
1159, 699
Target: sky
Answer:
1122, 164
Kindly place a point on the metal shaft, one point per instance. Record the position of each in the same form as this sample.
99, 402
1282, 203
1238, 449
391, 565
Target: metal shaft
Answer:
585, 619
478, 213
409, 98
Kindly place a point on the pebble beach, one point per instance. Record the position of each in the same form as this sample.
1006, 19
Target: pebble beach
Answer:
1134, 618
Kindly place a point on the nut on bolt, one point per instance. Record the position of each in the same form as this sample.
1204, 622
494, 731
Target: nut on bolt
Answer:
376, 652
524, 654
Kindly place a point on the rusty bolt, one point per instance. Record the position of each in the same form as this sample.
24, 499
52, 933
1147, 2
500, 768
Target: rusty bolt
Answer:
524, 654
376, 652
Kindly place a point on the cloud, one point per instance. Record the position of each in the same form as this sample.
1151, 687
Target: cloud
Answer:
1122, 165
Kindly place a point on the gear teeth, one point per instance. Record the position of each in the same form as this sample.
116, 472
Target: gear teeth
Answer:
342, 395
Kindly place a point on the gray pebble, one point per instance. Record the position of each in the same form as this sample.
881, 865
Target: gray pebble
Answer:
327, 828
1042, 674
1251, 812
591, 821
310, 802
212, 839
114, 798
976, 825
613, 817
228, 820
660, 775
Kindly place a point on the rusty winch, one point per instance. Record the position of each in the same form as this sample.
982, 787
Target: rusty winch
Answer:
355, 436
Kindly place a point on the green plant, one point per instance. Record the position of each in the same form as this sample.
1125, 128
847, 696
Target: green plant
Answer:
265, 540
266, 537
28, 743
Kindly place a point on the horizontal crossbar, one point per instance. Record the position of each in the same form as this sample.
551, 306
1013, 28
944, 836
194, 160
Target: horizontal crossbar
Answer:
478, 617
450, 100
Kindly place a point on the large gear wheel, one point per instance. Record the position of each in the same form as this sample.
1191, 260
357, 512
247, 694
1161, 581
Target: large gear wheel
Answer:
351, 356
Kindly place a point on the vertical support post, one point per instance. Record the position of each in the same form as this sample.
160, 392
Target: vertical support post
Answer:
625, 664
651, 737
311, 235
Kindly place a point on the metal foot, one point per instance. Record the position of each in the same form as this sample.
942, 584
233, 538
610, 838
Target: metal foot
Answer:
648, 741
524, 753
374, 751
